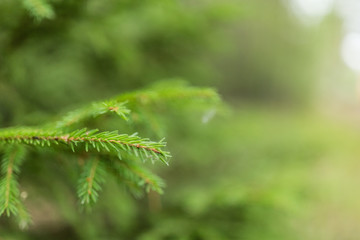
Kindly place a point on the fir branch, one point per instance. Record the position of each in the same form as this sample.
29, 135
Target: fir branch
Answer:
168, 92
136, 177
9, 190
90, 181
39, 9
112, 142
165, 93
23, 216
93, 110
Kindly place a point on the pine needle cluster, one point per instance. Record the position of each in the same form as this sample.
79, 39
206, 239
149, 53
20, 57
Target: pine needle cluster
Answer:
107, 152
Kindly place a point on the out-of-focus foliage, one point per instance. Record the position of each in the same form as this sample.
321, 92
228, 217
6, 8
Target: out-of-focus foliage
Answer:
251, 173
39, 9
96, 48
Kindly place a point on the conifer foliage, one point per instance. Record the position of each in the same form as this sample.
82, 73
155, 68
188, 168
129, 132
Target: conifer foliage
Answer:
104, 152
39, 9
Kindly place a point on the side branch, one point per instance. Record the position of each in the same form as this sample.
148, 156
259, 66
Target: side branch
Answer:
8, 179
109, 141
67, 139
9, 189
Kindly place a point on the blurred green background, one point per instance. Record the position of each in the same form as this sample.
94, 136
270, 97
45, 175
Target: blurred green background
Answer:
280, 163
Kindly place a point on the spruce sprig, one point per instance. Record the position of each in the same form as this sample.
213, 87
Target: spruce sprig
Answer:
9, 187
91, 179
93, 110
136, 177
165, 93
168, 92
88, 140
